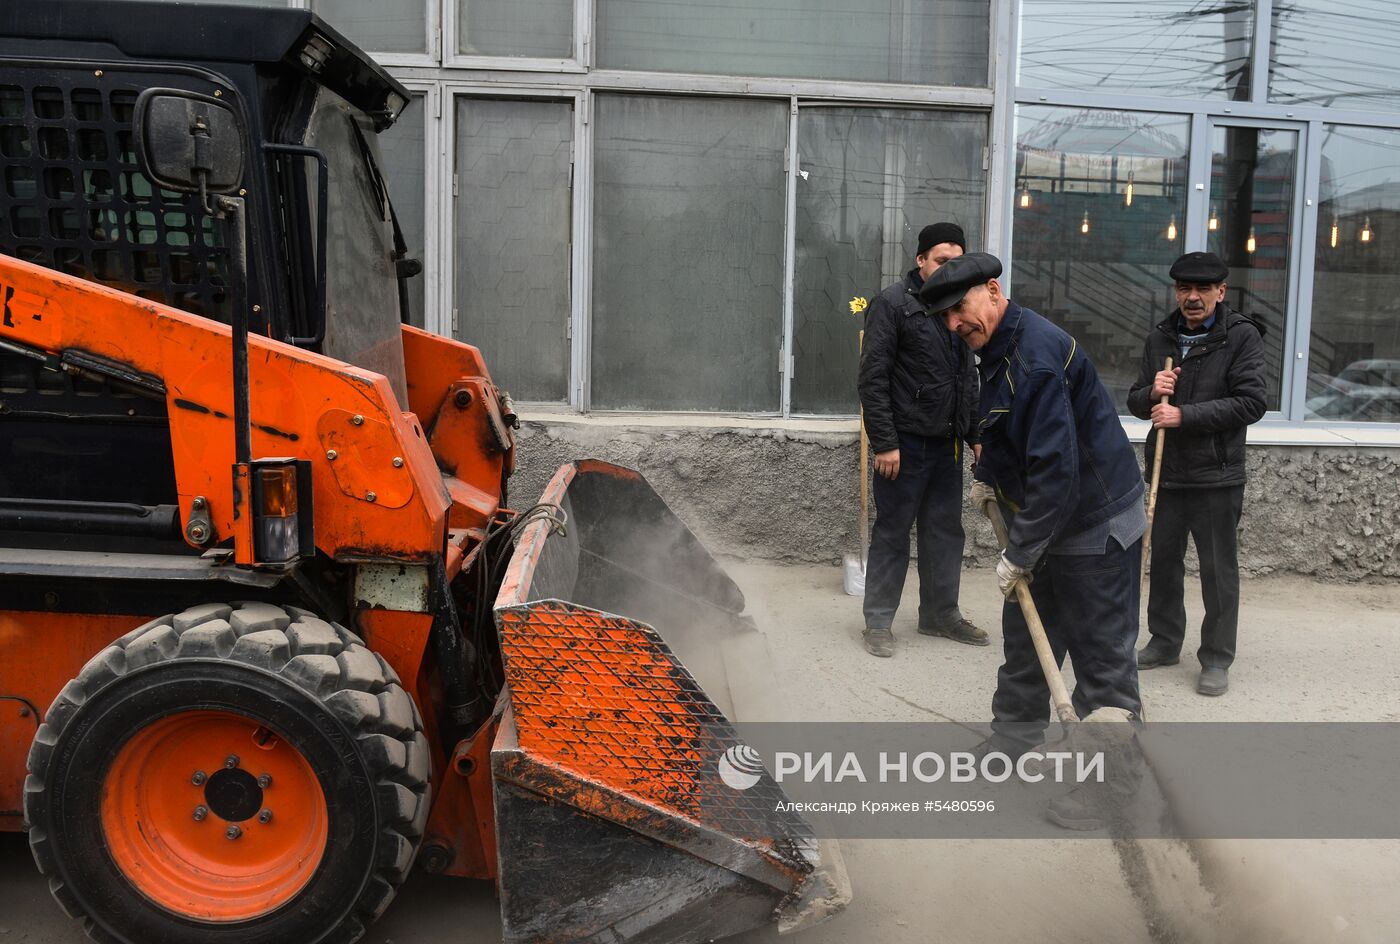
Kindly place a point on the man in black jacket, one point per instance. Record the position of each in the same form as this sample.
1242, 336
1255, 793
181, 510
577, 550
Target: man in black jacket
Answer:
918, 391
1216, 391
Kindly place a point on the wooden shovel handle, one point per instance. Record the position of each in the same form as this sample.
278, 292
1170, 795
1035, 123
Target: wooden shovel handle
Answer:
1152, 495
1059, 695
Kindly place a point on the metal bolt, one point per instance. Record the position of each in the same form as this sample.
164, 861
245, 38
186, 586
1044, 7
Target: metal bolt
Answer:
218, 93
331, 454
199, 778
200, 812
463, 398
242, 193
358, 420
98, 73
257, 308
265, 781
197, 503
231, 762
370, 496
233, 832
398, 462
264, 816
197, 533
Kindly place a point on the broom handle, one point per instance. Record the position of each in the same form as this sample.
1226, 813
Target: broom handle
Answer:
864, 529
1152, 495
1059, 695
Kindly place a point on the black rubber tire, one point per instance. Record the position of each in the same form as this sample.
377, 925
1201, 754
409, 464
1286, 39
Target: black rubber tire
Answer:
316, 685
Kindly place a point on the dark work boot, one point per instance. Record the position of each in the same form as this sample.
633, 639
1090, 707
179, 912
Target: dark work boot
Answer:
1153, 655
879, 642
960, 630
1213, 681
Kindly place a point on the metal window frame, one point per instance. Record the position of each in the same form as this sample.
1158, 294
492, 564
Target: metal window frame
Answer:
1205, 114
1296, 223
572, 65
580, 210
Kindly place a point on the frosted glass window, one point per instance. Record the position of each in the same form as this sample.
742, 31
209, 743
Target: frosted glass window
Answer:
379, 25
540, 29
513, 220
688, 207
930, 42
871, 179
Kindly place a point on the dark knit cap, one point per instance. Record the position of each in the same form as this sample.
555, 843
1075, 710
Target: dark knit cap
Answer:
936, 233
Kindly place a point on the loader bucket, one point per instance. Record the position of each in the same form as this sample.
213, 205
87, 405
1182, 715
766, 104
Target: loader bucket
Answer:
620, 637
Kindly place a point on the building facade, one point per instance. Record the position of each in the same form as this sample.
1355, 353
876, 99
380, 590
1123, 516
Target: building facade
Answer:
652, 216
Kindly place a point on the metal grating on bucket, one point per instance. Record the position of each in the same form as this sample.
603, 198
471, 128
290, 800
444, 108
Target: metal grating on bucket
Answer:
603, 698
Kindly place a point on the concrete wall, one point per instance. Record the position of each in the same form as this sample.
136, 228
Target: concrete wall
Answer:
789, 491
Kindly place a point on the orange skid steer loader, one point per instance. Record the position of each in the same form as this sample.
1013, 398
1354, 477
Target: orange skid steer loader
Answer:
269, 633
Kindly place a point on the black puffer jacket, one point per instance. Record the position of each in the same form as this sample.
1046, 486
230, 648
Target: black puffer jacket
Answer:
1220, 391
915, 375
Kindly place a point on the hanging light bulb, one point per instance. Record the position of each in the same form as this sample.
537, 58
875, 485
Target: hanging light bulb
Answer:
1084, 226
1128, 194
1213, 223
1171, 230
1025, 198
1249, 244
1366, 231
1336, 228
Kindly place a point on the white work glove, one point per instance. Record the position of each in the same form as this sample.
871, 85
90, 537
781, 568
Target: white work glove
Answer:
1009, 575
981, 496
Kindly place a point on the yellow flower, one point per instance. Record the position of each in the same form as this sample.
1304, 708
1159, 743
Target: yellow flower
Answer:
859, 305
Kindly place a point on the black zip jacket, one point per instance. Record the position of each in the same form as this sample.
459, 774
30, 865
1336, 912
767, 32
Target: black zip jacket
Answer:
1220, 391
915, 375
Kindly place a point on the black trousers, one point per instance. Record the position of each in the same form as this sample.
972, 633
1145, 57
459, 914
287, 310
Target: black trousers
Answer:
928, 492
1211, 516
1089, 606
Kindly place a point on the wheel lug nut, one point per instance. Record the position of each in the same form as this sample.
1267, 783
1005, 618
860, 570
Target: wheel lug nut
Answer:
200, 812
265, 781
231, 762
233, 832
265, 816
199, 778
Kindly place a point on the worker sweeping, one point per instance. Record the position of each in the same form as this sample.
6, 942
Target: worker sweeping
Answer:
1057, 462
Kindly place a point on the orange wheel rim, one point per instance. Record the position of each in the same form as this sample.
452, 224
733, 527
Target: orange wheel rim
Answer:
213, 816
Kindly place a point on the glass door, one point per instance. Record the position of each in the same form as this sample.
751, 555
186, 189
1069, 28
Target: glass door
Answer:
1253, 219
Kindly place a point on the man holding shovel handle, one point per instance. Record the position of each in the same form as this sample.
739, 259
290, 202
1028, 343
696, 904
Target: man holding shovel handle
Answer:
1204, 404
1057, 464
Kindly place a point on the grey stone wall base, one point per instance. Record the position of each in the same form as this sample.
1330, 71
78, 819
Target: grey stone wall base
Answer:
792, 494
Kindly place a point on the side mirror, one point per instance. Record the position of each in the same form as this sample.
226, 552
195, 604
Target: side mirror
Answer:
188, 142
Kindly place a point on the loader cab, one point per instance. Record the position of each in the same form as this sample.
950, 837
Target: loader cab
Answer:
323, 261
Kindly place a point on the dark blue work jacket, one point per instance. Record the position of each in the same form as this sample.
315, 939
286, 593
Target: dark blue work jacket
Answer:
1052, 443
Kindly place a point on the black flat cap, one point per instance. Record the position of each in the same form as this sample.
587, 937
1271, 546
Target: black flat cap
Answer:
946, 287
1200, 268
935, 233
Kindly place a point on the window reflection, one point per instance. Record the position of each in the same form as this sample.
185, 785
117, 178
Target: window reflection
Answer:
870, 180
1168, 47
1354, 350
1099, 219
1340, 55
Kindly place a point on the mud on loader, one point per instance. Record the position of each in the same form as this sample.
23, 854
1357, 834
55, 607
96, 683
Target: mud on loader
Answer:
269, 632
